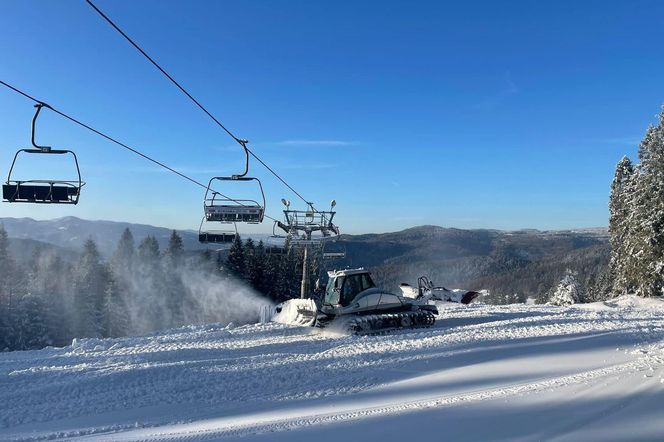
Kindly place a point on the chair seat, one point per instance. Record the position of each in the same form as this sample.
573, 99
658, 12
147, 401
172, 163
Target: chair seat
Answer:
216, 237
39, 193
232, 214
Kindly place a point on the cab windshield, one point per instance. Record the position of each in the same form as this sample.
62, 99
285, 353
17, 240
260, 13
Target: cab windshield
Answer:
344, 289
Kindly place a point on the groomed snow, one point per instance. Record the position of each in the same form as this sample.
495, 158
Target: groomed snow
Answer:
518, 372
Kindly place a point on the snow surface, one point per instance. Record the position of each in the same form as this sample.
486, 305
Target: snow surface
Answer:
517, 373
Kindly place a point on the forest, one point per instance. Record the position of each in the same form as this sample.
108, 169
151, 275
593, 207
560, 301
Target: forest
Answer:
140, 289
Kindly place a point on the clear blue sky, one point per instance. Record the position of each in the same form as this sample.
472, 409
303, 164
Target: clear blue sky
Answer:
468, 114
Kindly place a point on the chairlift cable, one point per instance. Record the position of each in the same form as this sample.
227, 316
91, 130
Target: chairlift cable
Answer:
240, 141
113, 140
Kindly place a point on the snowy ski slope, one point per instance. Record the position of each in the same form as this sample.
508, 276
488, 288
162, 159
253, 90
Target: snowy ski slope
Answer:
519, 372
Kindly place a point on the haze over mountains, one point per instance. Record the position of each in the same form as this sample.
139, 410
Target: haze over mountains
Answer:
524, 262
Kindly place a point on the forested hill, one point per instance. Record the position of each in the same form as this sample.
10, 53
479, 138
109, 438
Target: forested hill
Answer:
512, 265
71, 232
508, 263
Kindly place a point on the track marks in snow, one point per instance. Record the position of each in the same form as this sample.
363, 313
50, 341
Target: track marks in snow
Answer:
193, 373
215, 429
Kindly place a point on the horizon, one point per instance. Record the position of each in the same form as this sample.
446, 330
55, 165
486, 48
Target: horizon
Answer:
503, 117
573, 229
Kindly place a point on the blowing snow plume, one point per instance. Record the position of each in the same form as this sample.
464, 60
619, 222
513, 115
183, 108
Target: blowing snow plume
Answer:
158, 297
155, 291
55, 296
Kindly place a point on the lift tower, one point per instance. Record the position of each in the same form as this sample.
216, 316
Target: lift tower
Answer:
305, 230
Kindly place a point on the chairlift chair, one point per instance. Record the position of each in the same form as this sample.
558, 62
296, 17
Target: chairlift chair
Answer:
216, 236
42, 191
228, 210
223, 209
334, 252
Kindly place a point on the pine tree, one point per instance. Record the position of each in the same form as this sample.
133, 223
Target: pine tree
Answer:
235, 262
7, 295
175, 250
272, 277
257, 266
124, 257
637, 219
30, 331
568, 291
619, 228
90, 282
50, 280
249, 260
148, 251
174, 290
116, 315
120, 292
651, 227
152, 286
289, 275
8, 277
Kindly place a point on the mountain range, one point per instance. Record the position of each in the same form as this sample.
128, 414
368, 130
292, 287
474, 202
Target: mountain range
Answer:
527, 262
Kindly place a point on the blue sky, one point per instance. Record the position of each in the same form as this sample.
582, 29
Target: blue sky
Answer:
470, 114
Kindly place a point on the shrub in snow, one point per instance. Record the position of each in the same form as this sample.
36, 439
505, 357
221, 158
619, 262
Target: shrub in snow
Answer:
568, 291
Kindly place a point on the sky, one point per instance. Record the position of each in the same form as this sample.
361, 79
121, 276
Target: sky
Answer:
479, 114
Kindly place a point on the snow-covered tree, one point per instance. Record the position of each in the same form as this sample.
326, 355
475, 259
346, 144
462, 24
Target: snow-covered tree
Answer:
568, 291
637, 219
651, 154
619, 211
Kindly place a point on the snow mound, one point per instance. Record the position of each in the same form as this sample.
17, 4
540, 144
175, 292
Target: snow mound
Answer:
626, 302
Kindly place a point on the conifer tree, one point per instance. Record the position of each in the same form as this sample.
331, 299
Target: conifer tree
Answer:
152, 300
7, 270
568, 291
636, 225
124, 257
249, 260
90, 282
148, 251
30, 331
50, 279
116, 315
175, 250
235, 262
174, 290
651, 210
272, 278
619, 229
6, 291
